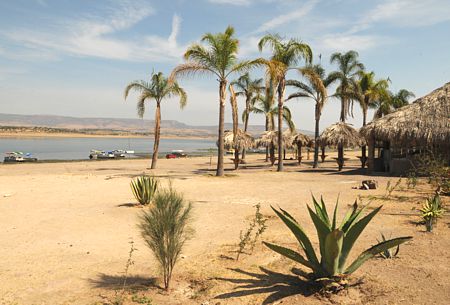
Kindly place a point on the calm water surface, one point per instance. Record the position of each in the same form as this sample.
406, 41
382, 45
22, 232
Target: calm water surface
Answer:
78, 148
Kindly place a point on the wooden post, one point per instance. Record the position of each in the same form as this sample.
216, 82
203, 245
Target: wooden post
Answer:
371, 153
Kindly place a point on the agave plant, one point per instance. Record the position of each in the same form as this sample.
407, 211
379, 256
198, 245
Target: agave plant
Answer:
335, 241
388, 253
431, 210
144, 188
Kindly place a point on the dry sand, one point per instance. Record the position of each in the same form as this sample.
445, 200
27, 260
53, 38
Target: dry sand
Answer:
66, 228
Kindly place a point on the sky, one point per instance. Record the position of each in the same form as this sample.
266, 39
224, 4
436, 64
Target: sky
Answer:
75, 58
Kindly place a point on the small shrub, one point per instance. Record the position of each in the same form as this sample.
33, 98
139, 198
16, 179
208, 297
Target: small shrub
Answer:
144, 188
165, 229
431, 210
435, 167
411, 181
257, 224
335, 242
388, 253
391, 188
141, 299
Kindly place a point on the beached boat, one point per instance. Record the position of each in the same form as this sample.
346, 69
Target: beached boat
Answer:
114, 154
18, 156
100, 154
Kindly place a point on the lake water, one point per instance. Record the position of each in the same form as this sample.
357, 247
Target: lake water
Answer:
79, 148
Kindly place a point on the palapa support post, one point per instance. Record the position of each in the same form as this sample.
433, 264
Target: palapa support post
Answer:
371, 153
299, 152
323, 154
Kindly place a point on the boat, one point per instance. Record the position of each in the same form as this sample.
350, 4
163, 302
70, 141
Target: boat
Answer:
100, 154
18, 156
114, 154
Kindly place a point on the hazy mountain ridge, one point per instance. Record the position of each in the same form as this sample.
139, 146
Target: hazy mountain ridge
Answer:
130, 125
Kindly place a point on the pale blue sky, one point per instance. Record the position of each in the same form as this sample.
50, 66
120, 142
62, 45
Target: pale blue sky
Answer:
75, 57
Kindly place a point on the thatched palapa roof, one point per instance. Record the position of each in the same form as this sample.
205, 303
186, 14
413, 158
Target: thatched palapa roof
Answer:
341, 134
244, 140
426, 121
271, 137
302, 139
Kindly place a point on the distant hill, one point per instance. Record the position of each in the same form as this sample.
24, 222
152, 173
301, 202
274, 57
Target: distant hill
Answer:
130, 125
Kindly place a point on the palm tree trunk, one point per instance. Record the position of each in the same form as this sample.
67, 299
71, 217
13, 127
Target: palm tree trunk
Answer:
267, 148
299, 153
363, 148
281, 88
222, 96
316, 139
157, 134
340, 160
236, 159
247, 114
272, 154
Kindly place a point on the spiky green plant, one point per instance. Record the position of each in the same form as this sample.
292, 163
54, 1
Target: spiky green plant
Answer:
144, 188
335, 241
388, 253
431, 210
165, 229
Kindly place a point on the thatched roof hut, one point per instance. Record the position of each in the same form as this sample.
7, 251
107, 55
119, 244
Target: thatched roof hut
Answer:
341, 134
424, 122
244, 140
271, 137
415, 129
301, 139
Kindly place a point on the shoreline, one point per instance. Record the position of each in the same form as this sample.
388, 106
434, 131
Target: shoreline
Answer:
31, 135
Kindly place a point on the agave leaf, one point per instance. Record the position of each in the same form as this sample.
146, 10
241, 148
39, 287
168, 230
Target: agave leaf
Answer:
371, 252
347, 216
324, 209
333, 246
301, 237
291, 254
321, 228
352, 235
353, 217
321, 212
333, 225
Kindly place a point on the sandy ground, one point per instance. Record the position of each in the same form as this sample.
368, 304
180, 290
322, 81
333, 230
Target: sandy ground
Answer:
65, 230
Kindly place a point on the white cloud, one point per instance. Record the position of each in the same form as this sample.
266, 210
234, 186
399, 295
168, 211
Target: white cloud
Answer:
232, 2
94, 37
407, 13
289, 17
345, 42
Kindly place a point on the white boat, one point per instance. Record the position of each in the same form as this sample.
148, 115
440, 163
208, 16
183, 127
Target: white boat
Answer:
18, 156
14, 156
100, 154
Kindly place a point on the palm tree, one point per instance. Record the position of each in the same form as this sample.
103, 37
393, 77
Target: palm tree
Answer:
218, 58
157, 89
285, 56
367, 93
348, 69
265, 105
247, 87
389, 101
401, 98
314, 88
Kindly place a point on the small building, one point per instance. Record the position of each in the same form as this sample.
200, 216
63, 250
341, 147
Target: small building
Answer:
397, 140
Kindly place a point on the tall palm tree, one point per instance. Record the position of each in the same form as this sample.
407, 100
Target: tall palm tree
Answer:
347, 74
389, 101
314, 88
401, 98
285, 56
217, 58
157, 89
348, 69
367, 93
248, 88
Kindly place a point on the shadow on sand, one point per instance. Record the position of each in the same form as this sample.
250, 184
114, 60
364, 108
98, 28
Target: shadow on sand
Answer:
114, 282
277, 285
